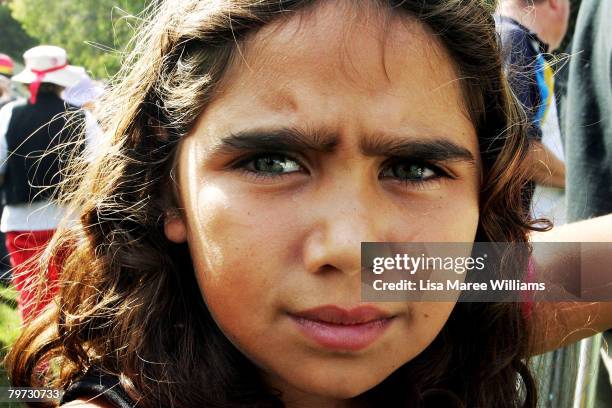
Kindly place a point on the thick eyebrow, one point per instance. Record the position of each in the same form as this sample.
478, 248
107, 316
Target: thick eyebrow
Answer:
296, 140
283, 139
437, 149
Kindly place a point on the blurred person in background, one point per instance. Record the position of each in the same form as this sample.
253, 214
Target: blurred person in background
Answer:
6, 91
36, 138
529, 29
6, 95
84, 94
587, 127
6, 70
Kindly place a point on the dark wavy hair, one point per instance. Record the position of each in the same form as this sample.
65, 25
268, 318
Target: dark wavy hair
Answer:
129, 304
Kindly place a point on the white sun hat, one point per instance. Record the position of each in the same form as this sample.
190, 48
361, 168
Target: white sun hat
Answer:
86, 90
47, 63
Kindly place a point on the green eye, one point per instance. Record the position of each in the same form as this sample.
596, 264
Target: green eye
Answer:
272, 164
409, 171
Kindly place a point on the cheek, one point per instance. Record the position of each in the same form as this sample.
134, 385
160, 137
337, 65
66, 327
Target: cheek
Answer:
456, 223
451, 218
240, 248
430, 317
428, 320
236, 229
461, 213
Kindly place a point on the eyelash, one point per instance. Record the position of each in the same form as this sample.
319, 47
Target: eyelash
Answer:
438, 173
259, 175
418, 184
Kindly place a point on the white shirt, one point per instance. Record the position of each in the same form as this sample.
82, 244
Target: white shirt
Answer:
39, 215
549, 202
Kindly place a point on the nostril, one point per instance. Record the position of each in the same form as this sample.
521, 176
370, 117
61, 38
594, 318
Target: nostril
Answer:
328, 268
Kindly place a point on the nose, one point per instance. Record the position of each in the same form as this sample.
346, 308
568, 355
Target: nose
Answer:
342, 218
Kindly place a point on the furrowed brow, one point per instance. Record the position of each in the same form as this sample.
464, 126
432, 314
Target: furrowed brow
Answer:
431, 150
282, 139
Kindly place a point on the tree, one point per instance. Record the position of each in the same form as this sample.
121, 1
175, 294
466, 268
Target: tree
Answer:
13, 39
93, 32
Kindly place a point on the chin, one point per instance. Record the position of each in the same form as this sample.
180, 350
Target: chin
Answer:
339, 387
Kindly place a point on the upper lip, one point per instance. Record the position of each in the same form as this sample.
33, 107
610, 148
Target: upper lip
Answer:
337, 315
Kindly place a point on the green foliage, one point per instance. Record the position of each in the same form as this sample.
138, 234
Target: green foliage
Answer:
93, 32
13, 39
9, 330
9, 318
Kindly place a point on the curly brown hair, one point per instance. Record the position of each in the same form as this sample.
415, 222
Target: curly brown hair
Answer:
129, 303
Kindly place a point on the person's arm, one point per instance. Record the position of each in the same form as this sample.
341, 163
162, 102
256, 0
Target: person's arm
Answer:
561, 323
547, 169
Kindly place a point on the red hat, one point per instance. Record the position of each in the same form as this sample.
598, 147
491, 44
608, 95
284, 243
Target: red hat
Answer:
6, 65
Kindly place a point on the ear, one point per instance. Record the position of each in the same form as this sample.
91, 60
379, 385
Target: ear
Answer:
175, 228
554, 4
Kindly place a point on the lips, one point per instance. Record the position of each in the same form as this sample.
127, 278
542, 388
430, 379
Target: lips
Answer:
340, 329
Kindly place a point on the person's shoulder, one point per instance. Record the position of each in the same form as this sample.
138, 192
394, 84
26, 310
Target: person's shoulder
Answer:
9, 106
508, 26
83, 403
593, 17
520, 48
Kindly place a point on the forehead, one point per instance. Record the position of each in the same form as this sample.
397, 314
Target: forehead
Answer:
337, 60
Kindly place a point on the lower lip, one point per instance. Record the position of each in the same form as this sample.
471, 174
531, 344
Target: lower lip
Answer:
342, 337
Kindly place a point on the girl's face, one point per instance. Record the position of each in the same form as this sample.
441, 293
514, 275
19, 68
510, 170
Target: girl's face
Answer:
334, 127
